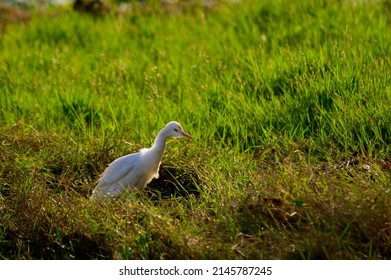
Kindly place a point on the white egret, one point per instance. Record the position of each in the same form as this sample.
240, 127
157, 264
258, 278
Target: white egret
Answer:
138, 169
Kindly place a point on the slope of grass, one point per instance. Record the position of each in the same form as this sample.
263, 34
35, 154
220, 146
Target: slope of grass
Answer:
288, 103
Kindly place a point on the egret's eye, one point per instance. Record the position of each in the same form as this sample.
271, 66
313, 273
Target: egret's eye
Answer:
176, 130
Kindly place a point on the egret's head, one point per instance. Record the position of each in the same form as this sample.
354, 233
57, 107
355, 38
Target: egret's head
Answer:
174, 129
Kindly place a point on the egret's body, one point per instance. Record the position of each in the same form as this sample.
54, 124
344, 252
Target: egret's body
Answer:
138, 169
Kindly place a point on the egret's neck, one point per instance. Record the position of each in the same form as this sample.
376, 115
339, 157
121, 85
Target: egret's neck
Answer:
160, 144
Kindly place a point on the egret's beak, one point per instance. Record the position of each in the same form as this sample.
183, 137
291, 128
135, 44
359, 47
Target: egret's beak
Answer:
186, 135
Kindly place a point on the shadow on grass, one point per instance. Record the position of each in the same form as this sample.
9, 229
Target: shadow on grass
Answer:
42, 246
174, 182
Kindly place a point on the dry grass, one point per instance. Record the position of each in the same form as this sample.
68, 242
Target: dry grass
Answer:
284, 208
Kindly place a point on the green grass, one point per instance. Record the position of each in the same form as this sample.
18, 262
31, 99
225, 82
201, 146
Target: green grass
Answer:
288, 103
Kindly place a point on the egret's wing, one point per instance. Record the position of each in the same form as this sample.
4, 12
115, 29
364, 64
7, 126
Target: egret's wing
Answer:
115, 179
118, 169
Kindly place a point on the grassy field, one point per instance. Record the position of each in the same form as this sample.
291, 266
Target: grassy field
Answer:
288, 103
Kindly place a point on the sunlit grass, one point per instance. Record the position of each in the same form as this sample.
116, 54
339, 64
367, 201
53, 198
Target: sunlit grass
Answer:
288, 103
